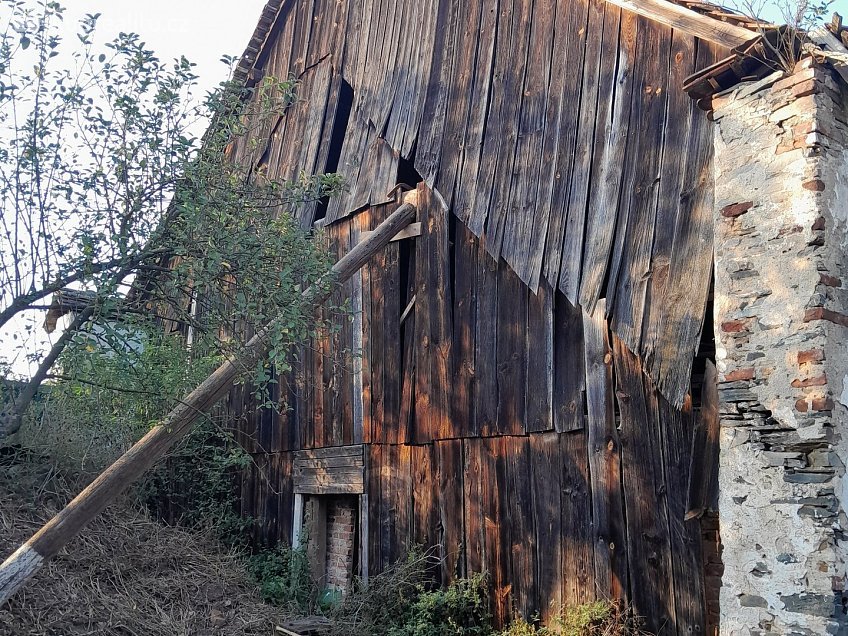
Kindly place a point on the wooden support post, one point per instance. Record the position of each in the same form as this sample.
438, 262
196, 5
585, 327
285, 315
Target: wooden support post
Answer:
297, 521
44, 544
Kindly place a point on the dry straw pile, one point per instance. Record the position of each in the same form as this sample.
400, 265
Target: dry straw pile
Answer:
125, 575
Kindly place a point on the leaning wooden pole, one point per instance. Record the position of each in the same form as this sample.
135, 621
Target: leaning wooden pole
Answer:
44, 544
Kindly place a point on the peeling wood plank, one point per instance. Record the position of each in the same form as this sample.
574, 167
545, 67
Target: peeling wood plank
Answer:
521, 201
691, 263
652, 89
570, 122
580, 183
677, 122
609, 151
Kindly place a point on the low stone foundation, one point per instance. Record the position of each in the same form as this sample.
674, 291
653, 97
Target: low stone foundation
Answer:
781, 312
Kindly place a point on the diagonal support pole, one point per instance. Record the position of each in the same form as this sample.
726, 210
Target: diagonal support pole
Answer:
46, 543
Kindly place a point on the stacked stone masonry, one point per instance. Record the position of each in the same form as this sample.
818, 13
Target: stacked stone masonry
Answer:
781, 325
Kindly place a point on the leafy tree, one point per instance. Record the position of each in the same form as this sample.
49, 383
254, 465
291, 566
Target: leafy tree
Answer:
105, 188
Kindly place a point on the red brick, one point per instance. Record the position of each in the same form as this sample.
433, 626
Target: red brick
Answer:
822, 404
830, 281
802, 405
805, 88
820, 313
819, 224
811, 355
819, 380
734, 326
815, 185
736, 209
740, 374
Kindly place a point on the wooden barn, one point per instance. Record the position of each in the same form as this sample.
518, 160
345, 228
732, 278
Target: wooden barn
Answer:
525, 382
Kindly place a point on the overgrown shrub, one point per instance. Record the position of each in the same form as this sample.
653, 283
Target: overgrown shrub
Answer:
283, 576
460, 610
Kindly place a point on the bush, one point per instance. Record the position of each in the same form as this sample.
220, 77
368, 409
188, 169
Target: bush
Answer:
282, 574
460, 610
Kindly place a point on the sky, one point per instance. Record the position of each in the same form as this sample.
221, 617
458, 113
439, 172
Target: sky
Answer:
202, 31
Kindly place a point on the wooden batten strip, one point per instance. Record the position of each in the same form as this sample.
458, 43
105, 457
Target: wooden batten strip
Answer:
688, 21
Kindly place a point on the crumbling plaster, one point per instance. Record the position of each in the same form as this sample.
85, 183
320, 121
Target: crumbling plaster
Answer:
781, 312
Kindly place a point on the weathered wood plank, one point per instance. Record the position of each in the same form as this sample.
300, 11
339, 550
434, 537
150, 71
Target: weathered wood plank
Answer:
450, 488
496, 528
540, 360
373, 475
315, 454
433, 323
547, 473
519, 518
363, 222
549, 178
569, 385
511, 356
425, 517
579, 186
498, 152
445, 49
648, 542
473, 476
578, 537
462, 135
652, 89
676, 426
521, 201
570, 121
627, 170
691, 262
465, 266
613, 122
485, 344
604, 461
677, 122
392, 369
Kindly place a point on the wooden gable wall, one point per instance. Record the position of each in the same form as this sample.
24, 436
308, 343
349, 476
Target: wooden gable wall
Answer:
567, 224
557, 132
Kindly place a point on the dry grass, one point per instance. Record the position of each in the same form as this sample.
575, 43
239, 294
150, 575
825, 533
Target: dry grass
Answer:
126, 574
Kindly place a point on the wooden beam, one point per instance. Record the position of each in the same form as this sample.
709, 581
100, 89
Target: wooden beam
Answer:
688, 21
52, 537
411, 231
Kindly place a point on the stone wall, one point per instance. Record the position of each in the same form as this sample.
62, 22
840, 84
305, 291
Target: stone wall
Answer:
781, 312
